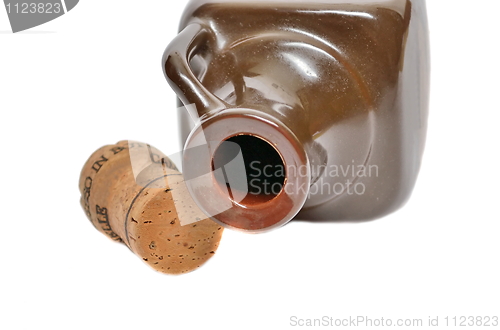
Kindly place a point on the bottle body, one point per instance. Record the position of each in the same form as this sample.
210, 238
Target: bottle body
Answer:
345, 84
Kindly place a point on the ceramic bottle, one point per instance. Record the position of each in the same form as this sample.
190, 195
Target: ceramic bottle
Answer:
313, 110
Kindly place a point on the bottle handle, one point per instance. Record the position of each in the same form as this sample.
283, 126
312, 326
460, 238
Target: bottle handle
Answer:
179, 74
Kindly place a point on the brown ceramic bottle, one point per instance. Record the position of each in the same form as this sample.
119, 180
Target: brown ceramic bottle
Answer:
315, 110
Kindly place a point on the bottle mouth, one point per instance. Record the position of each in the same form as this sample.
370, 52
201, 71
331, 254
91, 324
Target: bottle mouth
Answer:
264, 173
246, 170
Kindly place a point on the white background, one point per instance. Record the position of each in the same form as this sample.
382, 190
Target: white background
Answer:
93, 77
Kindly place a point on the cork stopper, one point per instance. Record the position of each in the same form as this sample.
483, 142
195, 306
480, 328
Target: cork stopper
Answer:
143, 202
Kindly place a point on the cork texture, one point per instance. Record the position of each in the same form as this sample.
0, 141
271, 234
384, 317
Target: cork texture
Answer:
142, 209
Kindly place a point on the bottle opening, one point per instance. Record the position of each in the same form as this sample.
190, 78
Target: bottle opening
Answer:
251, 167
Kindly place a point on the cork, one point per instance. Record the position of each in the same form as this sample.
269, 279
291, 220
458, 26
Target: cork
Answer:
146, 206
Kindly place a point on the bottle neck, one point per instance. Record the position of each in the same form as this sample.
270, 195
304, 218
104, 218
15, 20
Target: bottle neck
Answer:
246, 170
